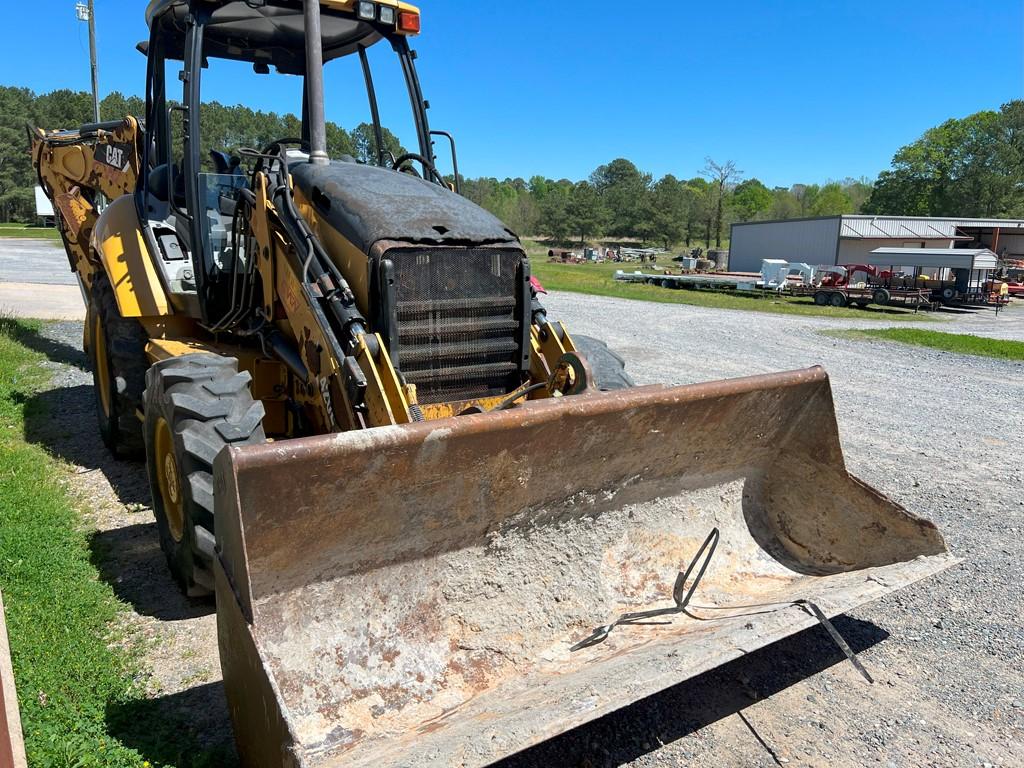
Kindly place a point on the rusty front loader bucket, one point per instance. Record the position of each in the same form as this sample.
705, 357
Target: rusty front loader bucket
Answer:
428, 595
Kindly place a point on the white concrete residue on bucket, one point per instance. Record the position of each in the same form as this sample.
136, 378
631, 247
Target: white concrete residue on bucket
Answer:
384, 651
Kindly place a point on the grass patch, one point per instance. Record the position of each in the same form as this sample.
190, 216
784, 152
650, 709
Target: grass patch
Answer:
28, 231
958, 343
77, 674
598, 280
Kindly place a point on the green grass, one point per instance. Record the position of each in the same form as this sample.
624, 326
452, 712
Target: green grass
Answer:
76, 669
598, 280
28, 231
961, 344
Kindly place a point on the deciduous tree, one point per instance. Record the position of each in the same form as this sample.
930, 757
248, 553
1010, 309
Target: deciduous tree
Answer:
721, 176
751, 200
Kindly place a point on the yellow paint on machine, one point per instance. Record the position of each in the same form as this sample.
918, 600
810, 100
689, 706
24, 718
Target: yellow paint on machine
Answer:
122, 248
353, 263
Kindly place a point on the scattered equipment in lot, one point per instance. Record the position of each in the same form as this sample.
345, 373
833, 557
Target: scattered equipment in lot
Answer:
836, 288
710, 280
777, 274
958, 275
412, 497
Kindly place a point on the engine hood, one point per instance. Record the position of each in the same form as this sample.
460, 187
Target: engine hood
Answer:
368, 204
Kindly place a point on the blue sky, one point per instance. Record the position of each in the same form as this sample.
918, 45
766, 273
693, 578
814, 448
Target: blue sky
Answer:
791, 90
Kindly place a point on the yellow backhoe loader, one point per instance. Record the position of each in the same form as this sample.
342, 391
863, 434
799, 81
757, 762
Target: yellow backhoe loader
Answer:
439, 528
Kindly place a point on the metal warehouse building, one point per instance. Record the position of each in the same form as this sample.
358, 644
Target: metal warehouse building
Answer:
851, 239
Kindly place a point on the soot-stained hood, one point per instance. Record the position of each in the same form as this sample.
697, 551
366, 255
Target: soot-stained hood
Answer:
367, 204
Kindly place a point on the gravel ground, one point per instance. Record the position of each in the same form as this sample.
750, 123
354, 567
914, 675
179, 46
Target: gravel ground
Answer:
941, 434
34, 261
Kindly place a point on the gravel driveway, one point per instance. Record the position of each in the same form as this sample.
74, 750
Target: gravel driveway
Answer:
941, 434
34, 261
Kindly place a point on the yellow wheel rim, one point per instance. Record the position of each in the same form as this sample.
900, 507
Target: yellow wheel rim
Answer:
99, 343
169, 480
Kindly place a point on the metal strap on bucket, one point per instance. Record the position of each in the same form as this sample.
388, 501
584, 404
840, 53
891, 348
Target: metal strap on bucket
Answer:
682, 601
707, 551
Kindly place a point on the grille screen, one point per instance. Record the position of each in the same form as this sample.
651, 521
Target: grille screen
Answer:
458, 324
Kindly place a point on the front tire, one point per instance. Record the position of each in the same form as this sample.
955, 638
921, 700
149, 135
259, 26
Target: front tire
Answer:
117, 350
608, 368
196, 406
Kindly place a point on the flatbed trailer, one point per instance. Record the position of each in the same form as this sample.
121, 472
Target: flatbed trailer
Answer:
710, 280
845, 296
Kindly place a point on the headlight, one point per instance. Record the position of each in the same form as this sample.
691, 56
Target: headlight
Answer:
387, 15
367, 11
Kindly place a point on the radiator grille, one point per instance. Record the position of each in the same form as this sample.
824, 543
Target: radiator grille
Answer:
458, 325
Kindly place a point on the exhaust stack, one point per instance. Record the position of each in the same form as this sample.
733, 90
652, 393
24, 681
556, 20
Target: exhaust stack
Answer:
315, 84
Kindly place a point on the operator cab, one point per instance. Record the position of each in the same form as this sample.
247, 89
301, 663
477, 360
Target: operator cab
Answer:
190, 190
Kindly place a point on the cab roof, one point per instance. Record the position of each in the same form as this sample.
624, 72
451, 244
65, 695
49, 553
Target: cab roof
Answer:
270, 33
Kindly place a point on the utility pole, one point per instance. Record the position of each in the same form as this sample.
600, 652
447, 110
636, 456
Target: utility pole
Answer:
87, 12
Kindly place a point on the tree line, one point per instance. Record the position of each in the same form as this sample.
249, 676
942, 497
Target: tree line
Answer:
971, 167
619, 201
965, 167
222, 127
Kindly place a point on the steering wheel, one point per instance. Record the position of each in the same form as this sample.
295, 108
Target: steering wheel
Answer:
274, 147
427, 166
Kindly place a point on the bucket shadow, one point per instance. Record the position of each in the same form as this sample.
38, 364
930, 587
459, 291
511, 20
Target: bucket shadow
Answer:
190, 729
636, 730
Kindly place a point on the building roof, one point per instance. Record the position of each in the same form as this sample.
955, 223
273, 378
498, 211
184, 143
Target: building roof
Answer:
861, 227
916, 227
951, 258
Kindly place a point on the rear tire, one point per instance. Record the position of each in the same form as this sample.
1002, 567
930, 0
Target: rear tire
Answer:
881, 297
117, 350
837, 300
608, 367
196, 406
821, 299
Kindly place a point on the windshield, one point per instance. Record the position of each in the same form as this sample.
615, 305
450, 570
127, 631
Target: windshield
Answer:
243, 108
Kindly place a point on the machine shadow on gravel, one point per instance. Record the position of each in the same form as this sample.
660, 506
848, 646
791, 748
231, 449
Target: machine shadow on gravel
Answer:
63, 421
190, 729
646, 725
131, 561
53, 349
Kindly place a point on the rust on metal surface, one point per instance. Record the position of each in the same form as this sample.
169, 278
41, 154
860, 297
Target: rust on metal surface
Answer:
414, 600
